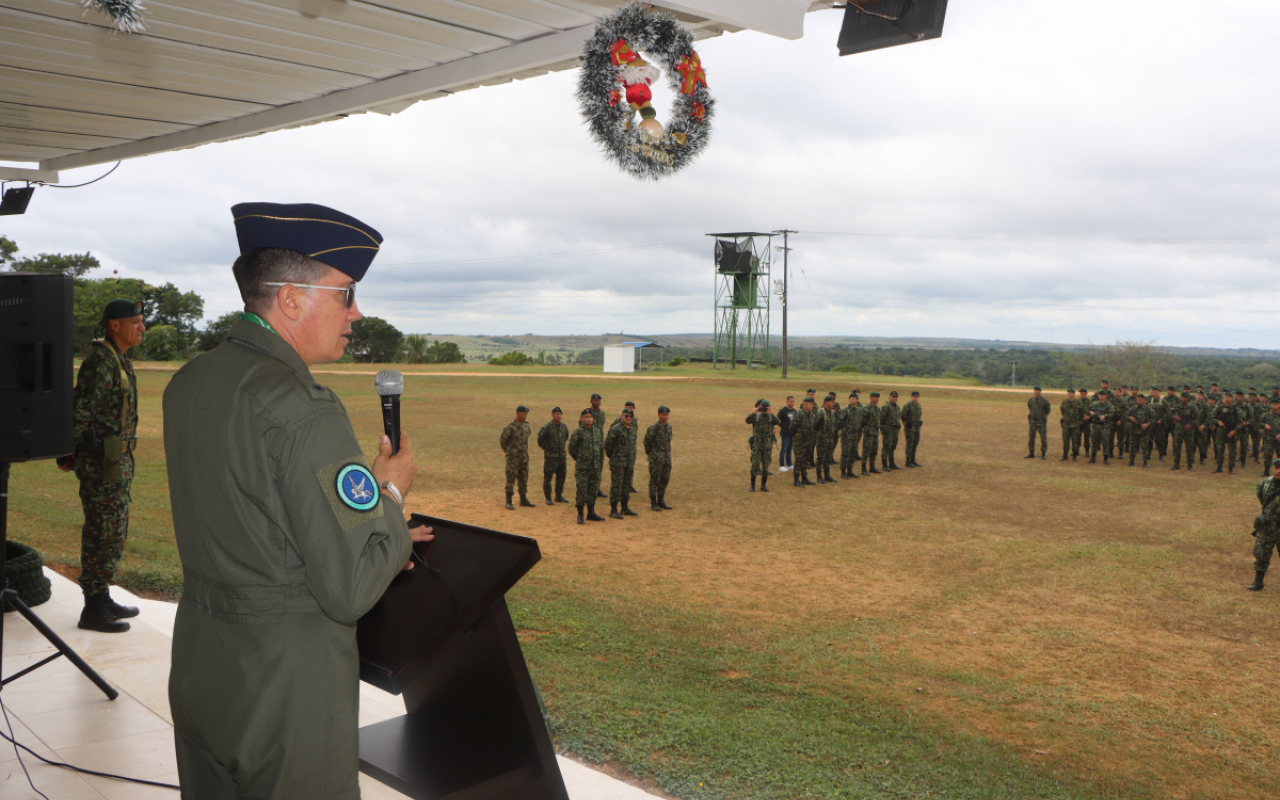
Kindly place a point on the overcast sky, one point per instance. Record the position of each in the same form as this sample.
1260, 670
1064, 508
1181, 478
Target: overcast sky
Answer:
1044, 171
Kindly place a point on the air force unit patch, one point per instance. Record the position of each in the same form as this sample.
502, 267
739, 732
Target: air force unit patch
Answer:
356, 487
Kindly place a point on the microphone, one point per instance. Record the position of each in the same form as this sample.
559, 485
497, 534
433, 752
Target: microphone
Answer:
390, 384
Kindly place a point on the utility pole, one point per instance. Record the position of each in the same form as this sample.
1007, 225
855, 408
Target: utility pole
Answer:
785, 250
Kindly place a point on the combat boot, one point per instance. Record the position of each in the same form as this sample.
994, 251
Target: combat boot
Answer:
1256, 586
560, 498
1131, 457
653, 502
864, 468
804, 478
818, 475
592, 516
1216, 471
633, 490
96, 616
1032, 454
1106, 459
626, 509
1064, 455
580, 522
613, 511
1176, 466
893, 463
662, 502
764, 482
1093, 459
547, 493
1144, 462
873, 470
753, 483
524, 501
1231, 470
795, 480
827, 470
509, 506
120, 612
1073, 456
601, 494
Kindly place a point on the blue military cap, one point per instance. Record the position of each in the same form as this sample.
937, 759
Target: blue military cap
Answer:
331, 237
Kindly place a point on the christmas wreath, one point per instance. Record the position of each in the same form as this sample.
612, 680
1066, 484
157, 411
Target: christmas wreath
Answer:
615, 99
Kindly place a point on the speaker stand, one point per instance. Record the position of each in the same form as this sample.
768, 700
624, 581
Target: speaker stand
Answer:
9, 596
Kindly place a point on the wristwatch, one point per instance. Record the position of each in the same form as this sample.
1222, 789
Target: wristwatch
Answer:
390, 488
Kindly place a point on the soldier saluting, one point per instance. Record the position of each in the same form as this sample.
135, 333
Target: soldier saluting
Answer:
762, 422
105, 432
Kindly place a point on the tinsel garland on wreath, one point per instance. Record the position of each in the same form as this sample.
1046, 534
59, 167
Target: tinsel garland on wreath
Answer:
125, 15
610, 118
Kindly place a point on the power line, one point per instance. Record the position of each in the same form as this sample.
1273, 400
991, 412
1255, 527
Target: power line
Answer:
1042, 239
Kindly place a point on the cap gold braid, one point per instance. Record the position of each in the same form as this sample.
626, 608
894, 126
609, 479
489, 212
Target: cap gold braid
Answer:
310, 219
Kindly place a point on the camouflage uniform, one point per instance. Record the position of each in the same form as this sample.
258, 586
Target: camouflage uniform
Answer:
552, 439
1203, 437
762, 425
657, 445
849, 422
1257, 411
1038, 423
106, 419
1226, 420
598, 433
1269, 439
1267, 526
1070, 410
1180, 417
912, 419
586, 467
870, 435
890, 424
824, 430
515, 443
1100, 423
1124, 428
1139, 439
619, 445
803, 432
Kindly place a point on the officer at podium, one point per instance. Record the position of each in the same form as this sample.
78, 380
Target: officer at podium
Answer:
287, 533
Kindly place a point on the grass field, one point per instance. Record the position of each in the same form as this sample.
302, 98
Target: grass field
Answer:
985, 627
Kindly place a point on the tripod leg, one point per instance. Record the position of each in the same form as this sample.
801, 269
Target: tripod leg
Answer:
11, 597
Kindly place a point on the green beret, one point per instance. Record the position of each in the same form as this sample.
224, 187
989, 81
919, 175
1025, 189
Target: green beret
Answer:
1037, 388
663, 410
765, 403
810, 391
587, 412
629, 403
1253, 392
875, 394
1070, 390
556, 410
915, 394
1140, 396
1173, 388
806, 400
1187, 395
630, 411
596, 397
1240, 392
853, 394
521, 408
121, 309
894, 393
1213, 398
1276, 463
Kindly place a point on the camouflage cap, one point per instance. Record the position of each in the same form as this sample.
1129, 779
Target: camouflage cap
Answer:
663, 410
121, 309
522, 408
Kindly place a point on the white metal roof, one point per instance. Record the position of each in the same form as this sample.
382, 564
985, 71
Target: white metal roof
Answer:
634, 344
74, 92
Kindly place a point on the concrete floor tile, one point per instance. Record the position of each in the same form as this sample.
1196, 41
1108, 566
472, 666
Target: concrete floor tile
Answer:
57, 783
123, 790
145, 755
40, 692
94, 722
13, 664
24, 736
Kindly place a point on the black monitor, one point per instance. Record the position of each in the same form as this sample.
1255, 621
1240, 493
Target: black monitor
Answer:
877, 24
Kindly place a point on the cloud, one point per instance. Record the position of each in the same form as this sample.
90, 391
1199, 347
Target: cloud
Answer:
1038, 158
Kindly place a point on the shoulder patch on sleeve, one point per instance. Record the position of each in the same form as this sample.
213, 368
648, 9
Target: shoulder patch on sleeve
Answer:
352, 492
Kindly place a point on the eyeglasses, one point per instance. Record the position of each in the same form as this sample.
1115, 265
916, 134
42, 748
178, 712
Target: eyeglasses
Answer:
349, 301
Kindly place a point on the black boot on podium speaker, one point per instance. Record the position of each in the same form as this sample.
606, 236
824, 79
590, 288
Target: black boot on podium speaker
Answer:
441, 637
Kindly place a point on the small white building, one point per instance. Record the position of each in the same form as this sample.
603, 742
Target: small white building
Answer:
624, 356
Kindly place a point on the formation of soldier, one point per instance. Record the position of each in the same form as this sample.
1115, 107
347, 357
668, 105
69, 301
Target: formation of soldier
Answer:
863, 433
589, 446
1233, 425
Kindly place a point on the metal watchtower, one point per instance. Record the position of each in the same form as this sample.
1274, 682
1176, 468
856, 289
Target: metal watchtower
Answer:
743, 262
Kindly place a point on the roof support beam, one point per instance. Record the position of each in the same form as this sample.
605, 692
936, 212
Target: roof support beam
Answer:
782, 18
530, 54
22, 174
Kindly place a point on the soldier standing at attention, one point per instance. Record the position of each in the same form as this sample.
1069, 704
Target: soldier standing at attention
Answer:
1070, 410
1121, 406
762, 423
1215, 393
634, 448
619, 447
1203, 434
785, 454
1275, 393
802, 430
890, 424
1100, 423
105, 434
287, 534
1226, 436
657, 446
871, 434
1037, 422
1256, 412
912, 419
1266, 527
1159, 428
586, 472
849, 422
1183, 424
552, 439
1270, 430
599, 431
1141, 419
515, 444
833, 417
825, 437
1082, 401
811, 459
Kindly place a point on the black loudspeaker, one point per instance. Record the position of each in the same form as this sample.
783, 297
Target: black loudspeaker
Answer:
35, 366
876, 24
15, 201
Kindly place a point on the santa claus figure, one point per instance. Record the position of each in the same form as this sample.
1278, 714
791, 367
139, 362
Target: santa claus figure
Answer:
636, 76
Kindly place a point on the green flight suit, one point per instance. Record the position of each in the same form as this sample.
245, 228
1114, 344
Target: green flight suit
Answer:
285, 543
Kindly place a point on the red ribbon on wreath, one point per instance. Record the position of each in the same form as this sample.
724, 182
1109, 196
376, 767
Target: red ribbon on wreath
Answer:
699, 111
690, 67
621, 53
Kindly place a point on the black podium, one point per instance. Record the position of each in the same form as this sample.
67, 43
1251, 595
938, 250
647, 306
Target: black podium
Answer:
442, 637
